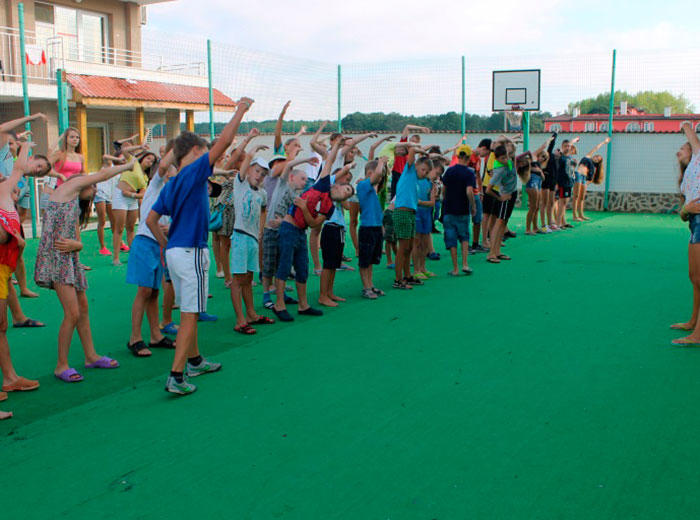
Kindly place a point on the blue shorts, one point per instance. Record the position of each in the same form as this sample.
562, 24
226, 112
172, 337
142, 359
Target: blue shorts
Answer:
293, 251
145, 267
479, 209
535, 182
424, 220
694, 223
580, 178
244, 253
456, 229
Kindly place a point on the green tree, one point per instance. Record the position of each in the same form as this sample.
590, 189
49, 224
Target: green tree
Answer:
647, 100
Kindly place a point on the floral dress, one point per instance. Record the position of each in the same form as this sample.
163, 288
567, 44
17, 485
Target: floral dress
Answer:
225, 203
53, 266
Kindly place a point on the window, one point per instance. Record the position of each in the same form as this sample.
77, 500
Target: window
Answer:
43, 13
555, 128
603, 127
590, 127
648, 126
633, 127
84, 34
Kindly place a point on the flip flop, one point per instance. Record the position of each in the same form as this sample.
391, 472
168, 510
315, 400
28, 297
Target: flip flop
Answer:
262, 320
503, 257
246, 329
467, 271
450, 273
137, 349
163, 343
21, 385
3, 396
681, 342
493, 260
28, 323
679, 326
103, 362
65, 376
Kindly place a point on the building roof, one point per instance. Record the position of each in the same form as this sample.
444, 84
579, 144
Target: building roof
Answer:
108, 91
620, 117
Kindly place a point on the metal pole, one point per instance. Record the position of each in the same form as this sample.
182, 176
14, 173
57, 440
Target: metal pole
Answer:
62, 102
464, 98
340, 120
526, 146
610, 131
27, 125
211, 93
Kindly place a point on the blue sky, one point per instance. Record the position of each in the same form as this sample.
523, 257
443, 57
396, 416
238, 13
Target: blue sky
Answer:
405, 55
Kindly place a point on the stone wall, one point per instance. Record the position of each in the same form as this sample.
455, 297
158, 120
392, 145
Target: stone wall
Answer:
629, 202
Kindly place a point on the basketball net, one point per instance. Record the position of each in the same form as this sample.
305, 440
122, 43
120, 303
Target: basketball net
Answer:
515, 118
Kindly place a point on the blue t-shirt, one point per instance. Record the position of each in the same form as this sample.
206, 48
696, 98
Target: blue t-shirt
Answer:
370, 208
407, 189
186, 200
424, 187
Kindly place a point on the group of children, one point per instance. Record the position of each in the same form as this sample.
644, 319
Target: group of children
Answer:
270, 215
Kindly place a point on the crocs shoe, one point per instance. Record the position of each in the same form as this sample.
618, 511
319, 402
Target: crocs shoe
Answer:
124, 248
205, 367
184, 388
203, 316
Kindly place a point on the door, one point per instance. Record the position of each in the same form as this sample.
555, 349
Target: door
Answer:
96, 141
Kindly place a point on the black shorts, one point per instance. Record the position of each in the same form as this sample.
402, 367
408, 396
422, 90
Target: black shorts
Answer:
504, 209
489, 204
564, 193
332, 243
549, 183
371, 243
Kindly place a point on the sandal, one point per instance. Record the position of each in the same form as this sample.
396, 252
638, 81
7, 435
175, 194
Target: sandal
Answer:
283, 315
163, 343
503, 257
245, 329
138, 349
262, 320
103, 362
493, 260
401, 284
28, 323
70, 375
680, 326
21, 385
369, 294
467, 270
378, 292
411, 280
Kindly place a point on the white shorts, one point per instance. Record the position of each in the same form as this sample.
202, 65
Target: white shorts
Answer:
119, 201
189, 271
244, 254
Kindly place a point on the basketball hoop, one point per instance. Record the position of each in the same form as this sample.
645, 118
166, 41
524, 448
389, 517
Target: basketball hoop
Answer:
515, 118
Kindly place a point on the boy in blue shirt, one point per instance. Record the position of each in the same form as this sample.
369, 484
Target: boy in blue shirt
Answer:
370, 232
406, 205
186, 200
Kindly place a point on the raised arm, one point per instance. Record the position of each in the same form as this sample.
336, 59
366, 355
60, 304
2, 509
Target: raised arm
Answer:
230, 130
278, 126
316, 144
129, 139
414, 128
240, 149
15, 123
550, 146
376, 144
693, 139
597, 147
290, 165
301, 132
357, 140
17, 169
328, 165
544, 145
243, 173
344, 172
378, 174
166, 162
81, 181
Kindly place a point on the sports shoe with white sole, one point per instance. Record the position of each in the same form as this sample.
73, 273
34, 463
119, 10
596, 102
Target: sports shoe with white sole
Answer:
184, 388
205, 367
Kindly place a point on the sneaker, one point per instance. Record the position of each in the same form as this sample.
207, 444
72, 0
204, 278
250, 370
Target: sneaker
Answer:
480, 249
219, 274
184, 388
203, 316
267, 301
433, 256
105, 252
472, 251
369, 294
545, 230
345, 267
205, 367
391, 266
124, 248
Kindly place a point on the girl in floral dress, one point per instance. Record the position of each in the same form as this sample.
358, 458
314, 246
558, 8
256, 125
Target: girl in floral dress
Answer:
58, 266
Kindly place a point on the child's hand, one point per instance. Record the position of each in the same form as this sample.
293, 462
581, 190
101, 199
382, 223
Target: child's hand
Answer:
575, 140
66, 245
20, 241
260, 148
505, 198
249, 102
41, 116
303, 129
299, 202
254, 132
606, 140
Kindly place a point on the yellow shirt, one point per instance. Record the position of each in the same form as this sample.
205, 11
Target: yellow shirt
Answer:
135, 178
489, 170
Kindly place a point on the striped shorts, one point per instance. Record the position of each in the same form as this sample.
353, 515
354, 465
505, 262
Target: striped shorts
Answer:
189, 270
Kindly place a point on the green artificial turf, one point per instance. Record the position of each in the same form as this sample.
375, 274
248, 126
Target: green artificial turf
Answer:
541, 388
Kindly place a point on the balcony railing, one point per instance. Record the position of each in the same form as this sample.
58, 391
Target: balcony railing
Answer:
63, 53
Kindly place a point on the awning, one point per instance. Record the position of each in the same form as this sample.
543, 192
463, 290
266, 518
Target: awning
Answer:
103, 91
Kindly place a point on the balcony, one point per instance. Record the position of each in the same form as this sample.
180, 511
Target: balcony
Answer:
56, 53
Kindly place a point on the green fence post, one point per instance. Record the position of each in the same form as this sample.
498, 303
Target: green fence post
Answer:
340, 120
25, 96
526, 146
610, 131
62, 101
211, 92
463, 126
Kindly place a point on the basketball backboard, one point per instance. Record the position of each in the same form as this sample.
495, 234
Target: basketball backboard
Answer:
515, 90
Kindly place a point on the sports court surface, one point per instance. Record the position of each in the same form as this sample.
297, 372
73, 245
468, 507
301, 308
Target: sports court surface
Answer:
544, 388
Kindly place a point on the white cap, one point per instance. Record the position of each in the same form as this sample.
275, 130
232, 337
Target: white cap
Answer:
260, 162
